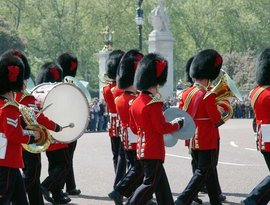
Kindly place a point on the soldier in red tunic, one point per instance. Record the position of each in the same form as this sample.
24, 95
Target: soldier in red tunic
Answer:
11, 133
69, 63
110, 92
260, 101
189, 83
205, 67
148, 122
124, 80
57, 153
32, 162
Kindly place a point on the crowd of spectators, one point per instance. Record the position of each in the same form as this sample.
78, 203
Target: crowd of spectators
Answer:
99, 119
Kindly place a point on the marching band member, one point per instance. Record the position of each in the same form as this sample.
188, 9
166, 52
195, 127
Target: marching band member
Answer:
190, 83
148, 122
69, 63
57, 153
204, 68
11, 134
260, 100
110, 92
32, 162
124, 80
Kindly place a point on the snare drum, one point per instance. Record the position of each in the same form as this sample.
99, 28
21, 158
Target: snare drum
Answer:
64, 103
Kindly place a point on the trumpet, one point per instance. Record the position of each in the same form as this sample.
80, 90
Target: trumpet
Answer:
224, 89
29, 118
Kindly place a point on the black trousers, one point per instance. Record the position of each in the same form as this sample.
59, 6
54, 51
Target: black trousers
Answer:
194, 164
204, 174
31, 177
261, 193
119, 159
133, 178
11, 187
58, 169
70, 180
155, 181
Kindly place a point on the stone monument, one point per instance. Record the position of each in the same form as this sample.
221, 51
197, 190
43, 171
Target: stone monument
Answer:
161, 41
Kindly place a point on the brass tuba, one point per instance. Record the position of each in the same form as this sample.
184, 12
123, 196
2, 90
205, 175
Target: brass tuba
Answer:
29, 118
224, 89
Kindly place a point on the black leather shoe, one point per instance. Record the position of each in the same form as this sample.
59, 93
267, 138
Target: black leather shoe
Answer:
248, 201
116, 197
197, 200
151, 202
178, 202
46, 194
62, 200
74, 192
222, 197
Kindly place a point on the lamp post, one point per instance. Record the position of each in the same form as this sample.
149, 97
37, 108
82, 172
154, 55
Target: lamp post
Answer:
107, 35
139, 21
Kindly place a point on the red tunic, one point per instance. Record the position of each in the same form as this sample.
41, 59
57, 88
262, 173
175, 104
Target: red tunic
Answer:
205, 116
11, 130
110, 92
30, 101
262, 115
147, 120
123, 103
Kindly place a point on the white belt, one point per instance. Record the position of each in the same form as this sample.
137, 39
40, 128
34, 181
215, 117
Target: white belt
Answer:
113, 114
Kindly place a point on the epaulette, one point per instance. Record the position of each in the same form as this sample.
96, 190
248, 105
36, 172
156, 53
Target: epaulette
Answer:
112, 89
131, 102
12, 103
116, 98
24, 96
155, 99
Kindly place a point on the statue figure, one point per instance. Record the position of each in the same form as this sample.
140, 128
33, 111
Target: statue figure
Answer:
159, 18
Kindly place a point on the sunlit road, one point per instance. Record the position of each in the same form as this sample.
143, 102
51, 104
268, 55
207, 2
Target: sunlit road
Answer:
240, 167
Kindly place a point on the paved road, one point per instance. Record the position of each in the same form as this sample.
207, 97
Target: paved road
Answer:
240, 167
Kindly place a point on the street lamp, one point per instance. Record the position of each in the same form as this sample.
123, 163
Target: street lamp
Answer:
107, 35
139, 21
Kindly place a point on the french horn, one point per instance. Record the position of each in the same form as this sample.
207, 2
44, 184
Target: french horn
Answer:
224, 89
29, 118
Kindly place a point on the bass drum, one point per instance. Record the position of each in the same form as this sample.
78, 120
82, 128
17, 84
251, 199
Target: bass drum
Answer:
64, 103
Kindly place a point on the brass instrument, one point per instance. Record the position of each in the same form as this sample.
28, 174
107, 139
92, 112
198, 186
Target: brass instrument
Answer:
224, 89
105, 79
29, 118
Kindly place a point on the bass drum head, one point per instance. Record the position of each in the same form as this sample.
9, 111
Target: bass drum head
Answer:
69, 105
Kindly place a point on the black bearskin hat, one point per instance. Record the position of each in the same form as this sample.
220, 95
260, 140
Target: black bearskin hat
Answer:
127, 68
22, 56
188, 79
69, 63
206, 65
49, 72
152, 70
112, 63
11, 74
263, 68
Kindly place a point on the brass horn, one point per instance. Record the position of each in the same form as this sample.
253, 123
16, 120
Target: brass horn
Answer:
224, 89
29, 117
105, 79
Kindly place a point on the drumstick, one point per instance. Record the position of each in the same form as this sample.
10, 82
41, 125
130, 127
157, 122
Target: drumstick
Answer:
71, 125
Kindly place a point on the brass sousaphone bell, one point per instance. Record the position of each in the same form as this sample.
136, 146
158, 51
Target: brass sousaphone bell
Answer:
186, 132
224, 89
